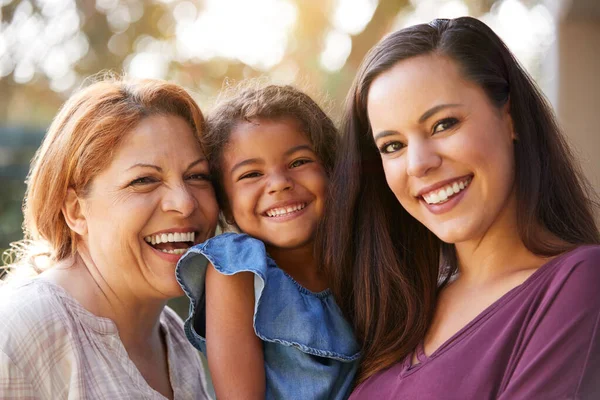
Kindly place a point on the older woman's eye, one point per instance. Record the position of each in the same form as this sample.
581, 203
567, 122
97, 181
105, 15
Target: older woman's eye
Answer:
144, 180
444, 124
199, 177
391, 147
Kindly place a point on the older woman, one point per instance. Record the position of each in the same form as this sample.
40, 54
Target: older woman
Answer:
450, 150
118, 191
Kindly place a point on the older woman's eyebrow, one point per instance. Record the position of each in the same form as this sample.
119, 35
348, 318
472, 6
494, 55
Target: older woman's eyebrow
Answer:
198, 161
143, 165
159, 169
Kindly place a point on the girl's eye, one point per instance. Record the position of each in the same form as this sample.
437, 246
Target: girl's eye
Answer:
444, 124
300, 162
144, 180
391, 147
249, 175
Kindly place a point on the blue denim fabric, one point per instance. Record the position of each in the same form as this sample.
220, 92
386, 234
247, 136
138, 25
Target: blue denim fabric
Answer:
309, 348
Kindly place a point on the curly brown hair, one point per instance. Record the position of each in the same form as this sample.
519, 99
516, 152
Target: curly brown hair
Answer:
247, 102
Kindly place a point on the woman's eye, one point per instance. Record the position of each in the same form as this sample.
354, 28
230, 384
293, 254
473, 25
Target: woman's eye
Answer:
444, 124
391, 147
144, 180
199, 177
300, 162
249, 175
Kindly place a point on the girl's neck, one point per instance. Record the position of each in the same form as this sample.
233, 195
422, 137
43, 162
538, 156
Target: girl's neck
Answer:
300, 264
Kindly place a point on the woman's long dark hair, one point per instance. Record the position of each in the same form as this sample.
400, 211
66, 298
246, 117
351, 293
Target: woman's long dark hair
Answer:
383, 265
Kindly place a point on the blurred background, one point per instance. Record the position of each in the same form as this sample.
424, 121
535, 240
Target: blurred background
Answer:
49, 47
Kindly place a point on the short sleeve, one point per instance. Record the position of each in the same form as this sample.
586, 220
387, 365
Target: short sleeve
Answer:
560, 355
285, 313
229, 253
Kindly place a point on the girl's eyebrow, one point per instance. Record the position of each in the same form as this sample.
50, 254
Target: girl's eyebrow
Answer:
298, 148
245, 162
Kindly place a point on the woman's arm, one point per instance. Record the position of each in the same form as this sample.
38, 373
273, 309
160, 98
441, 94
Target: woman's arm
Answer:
235, 353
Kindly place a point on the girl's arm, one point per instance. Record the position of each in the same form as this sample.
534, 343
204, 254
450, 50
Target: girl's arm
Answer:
235, 353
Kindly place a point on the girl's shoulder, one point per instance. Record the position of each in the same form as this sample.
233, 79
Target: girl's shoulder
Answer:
285, 313
229, 253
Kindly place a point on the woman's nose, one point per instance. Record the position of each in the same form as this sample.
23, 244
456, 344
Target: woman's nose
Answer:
180, 199
422, 158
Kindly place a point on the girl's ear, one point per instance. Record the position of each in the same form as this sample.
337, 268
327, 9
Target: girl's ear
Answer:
72, 211
229, 217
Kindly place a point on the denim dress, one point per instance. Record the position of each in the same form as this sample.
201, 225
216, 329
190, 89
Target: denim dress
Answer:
309, 349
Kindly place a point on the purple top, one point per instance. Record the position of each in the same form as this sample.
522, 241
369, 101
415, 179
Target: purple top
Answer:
541, 340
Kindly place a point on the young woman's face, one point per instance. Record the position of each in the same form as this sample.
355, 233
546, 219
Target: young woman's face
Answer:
274, 182
446, 150
149, 205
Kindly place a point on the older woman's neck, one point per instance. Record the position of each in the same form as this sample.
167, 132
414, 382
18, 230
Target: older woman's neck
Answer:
137, 319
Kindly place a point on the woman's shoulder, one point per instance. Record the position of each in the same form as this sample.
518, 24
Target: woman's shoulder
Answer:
34, 320
582, 263
569, 281
30, 302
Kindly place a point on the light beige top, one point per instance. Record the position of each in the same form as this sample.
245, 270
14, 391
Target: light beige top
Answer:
53, 348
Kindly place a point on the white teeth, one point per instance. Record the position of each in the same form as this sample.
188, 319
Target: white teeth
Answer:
275, 212
444, 193
175, 251
170, 238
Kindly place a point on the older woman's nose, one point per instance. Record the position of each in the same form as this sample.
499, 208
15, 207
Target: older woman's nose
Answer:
180, 199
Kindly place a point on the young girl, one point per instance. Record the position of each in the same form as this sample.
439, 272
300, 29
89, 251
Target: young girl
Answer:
260, 307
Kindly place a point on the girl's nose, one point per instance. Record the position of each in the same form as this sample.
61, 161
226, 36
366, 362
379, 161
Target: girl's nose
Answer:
279, 182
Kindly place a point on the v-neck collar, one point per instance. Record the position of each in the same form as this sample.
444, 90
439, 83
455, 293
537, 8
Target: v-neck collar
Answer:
424, 359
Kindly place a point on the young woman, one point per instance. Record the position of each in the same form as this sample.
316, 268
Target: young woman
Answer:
450, 153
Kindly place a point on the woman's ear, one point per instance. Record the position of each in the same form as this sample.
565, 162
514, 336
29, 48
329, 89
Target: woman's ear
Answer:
509, 121
73, 213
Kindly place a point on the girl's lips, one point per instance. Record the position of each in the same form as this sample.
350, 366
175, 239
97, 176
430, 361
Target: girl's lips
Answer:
288, 216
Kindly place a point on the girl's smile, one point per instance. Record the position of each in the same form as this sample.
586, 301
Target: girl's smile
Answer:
275, 183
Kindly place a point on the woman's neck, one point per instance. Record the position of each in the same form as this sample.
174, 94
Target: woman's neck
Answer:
137, 319
300, 264
499, 252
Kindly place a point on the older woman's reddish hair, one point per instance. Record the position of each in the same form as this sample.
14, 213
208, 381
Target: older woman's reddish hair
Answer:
80, 143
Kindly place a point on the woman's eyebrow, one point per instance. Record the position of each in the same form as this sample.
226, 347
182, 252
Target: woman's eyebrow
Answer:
427, 114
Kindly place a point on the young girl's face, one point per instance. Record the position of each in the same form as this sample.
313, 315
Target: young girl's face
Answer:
274, 182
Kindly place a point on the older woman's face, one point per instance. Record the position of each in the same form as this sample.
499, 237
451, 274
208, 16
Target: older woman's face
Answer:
446, 150
152, 202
